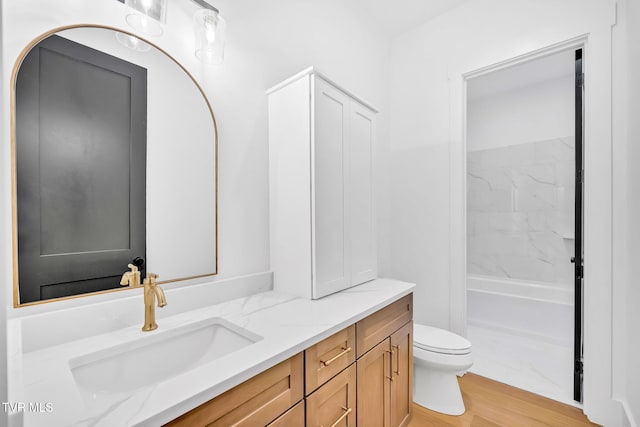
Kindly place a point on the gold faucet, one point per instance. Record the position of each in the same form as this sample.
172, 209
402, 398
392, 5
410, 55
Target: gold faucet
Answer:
131, 278
152, 292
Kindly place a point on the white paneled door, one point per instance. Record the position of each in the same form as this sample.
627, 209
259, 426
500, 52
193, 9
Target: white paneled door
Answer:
361, 209
330, 177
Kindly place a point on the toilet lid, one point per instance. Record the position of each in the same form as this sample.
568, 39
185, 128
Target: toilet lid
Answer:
439, 341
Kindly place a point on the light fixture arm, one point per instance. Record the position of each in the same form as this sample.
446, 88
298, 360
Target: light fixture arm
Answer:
205, 5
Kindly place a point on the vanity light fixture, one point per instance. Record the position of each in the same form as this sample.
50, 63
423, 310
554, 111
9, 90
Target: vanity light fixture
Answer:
209, 31
148, 17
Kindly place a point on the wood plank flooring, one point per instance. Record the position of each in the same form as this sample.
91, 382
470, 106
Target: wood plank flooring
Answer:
493, 404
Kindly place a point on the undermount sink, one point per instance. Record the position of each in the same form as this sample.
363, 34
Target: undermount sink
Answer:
157, 357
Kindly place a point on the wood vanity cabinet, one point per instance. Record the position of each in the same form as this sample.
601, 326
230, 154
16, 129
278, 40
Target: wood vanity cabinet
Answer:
361, 375
385, 371
321, 187
256, 402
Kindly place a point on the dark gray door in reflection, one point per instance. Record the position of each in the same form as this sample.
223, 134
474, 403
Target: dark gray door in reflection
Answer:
81, 169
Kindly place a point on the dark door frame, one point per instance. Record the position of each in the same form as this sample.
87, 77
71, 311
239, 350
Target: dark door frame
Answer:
578, 250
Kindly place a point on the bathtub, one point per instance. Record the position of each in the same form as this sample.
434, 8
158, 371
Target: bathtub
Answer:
542, 311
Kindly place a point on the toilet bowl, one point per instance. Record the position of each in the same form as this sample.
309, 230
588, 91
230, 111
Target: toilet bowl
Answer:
438, 355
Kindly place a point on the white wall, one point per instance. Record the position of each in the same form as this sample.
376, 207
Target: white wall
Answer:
266, 42
418, 153
427, 94
633, 298
536, 112
5, 244
626, 208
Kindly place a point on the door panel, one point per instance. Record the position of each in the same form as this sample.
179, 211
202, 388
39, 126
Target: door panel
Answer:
402, 374
361, 131
330, 210
81, 169
374, 392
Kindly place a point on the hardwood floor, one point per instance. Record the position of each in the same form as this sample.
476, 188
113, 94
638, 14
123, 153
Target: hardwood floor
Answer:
492, 404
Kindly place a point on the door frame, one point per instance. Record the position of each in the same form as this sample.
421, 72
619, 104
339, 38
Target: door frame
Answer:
573, 46
578, 217
458, 232
599, 383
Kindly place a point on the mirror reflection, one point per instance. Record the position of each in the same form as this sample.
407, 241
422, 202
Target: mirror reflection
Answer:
115, 164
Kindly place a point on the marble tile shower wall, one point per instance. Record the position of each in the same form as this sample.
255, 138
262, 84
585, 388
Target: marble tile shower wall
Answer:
520, 211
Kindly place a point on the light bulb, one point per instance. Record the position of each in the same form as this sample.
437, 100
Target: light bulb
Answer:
210, 26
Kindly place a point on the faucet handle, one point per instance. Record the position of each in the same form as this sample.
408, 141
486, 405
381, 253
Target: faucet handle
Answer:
131, 278
151, 278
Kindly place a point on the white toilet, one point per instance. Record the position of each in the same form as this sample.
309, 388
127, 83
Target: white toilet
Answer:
438, 355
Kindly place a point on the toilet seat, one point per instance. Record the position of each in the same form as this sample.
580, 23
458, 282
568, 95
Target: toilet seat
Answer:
439, 340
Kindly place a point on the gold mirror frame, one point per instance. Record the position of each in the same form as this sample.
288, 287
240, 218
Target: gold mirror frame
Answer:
14, 204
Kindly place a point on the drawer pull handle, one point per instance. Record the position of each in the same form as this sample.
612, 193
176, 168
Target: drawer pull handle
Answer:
336, 357
346, 413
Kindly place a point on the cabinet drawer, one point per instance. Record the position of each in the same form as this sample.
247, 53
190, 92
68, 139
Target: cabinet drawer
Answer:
330, 356
294, 417
256, 402
334, 404
381, 324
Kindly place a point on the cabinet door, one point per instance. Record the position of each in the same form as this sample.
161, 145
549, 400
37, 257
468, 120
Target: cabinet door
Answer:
329, 202
402, 374
374, 393
334, 404
360, 193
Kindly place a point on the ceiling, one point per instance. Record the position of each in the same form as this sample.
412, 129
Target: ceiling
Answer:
399, 16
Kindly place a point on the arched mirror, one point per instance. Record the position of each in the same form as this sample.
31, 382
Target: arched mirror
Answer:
115, 163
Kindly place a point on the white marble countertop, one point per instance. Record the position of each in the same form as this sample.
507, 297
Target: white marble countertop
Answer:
287, 325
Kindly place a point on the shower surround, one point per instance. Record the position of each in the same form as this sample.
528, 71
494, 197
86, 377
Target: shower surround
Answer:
520, 211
